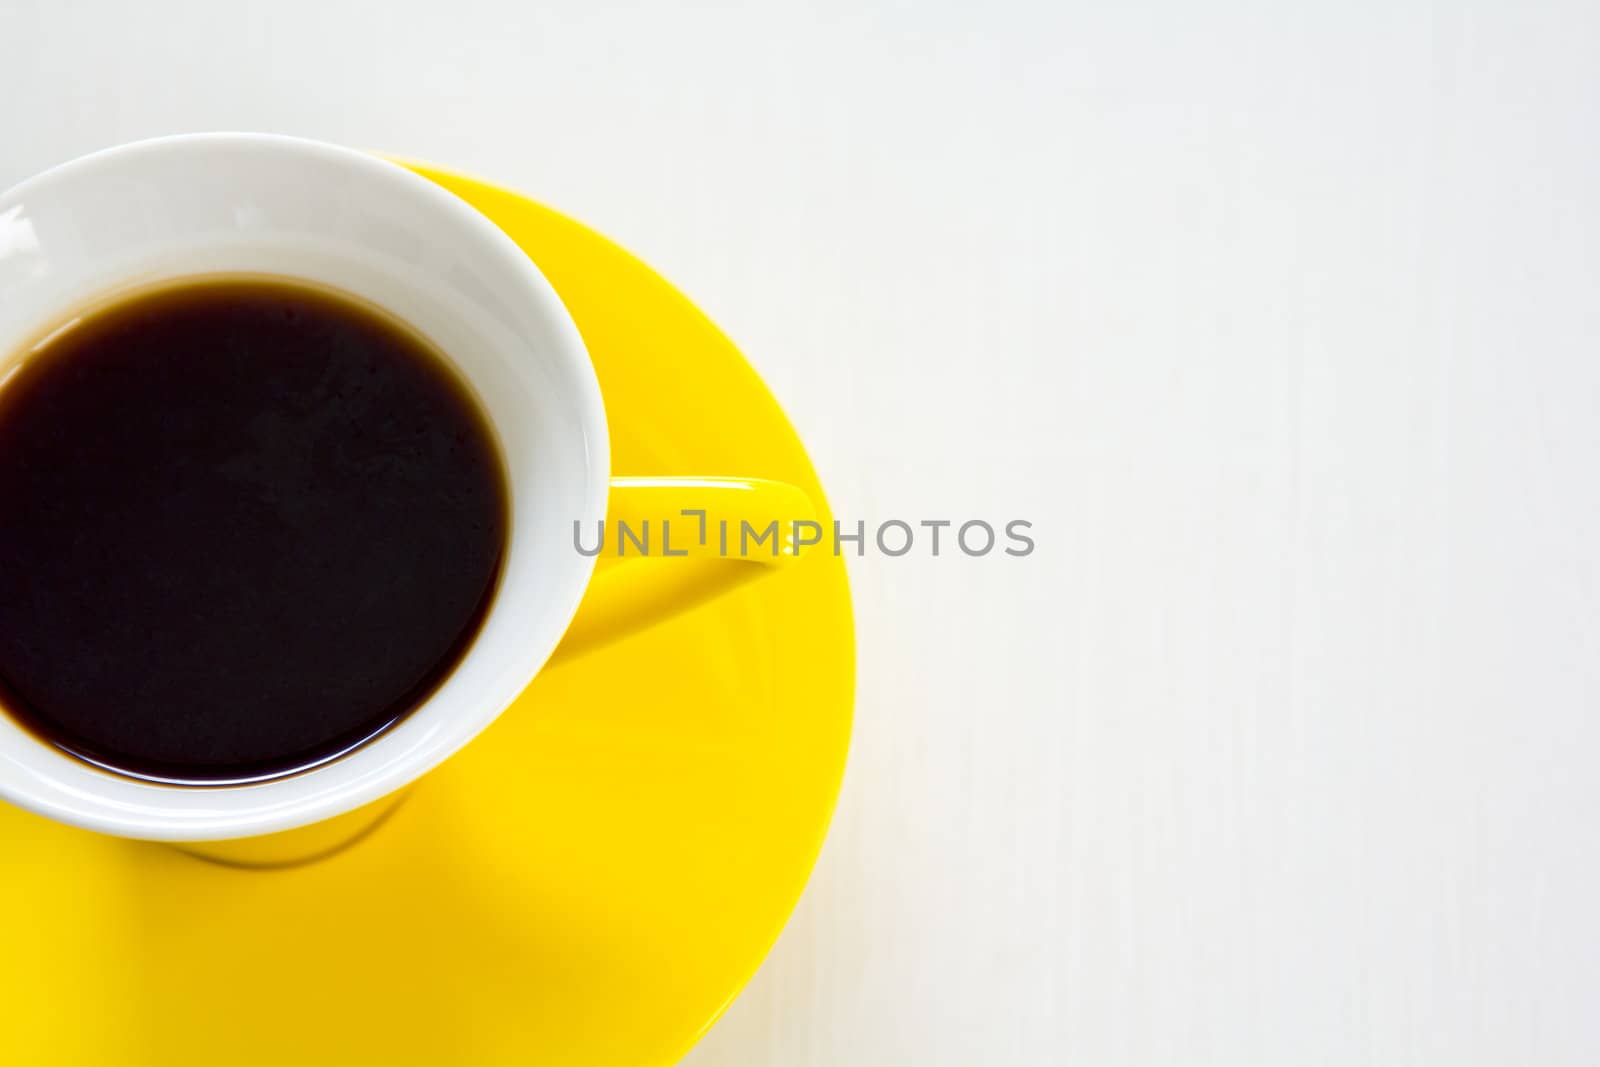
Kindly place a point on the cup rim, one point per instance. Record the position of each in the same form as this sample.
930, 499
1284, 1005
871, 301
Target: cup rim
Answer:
218, 812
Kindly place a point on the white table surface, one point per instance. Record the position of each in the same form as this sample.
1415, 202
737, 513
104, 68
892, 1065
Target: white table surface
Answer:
1282, 325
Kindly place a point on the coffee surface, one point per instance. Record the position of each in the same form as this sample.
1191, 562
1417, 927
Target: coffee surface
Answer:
245, 525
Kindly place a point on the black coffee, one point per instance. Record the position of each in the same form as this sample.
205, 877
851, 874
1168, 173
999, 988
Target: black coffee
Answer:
245, 525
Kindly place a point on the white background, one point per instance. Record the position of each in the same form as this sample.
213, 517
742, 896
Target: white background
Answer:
1282, 324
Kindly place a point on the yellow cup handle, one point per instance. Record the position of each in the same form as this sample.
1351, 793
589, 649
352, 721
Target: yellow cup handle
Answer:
670, 543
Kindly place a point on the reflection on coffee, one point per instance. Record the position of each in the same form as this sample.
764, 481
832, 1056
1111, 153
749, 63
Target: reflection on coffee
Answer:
245, 525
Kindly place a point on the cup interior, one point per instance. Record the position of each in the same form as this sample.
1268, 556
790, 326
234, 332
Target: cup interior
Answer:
156, 211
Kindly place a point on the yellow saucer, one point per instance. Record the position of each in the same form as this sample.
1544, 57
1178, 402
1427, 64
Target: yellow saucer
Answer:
590, 882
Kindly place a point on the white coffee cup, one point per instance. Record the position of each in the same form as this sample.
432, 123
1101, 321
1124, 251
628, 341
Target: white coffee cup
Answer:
204, 204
